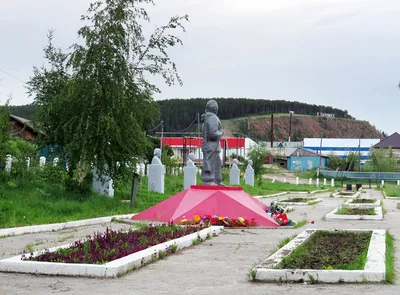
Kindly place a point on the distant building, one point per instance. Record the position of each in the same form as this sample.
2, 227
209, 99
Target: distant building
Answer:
22, 128
233, 145
392, 141
303, 159
341, 147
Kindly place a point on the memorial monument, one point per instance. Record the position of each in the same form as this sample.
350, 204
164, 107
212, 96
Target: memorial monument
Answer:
156, 173
189, 173
234, 173
249, 174
211, 173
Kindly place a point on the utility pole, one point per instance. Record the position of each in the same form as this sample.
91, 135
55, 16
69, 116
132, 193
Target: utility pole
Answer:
320, 157
359, 155
162, 135
290, 124
198, 135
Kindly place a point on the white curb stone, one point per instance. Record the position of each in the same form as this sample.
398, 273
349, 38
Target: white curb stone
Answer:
378, 215
374, 270
15, 231
312, 201
109, 269
349, 204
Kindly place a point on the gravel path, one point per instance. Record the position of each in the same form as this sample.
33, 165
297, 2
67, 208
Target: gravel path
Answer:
217, 266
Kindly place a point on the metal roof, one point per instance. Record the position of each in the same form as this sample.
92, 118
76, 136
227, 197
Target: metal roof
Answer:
391, 141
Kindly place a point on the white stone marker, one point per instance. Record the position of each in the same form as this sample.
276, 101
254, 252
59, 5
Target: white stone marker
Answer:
156, 173
273, 180
189, 173
102, 184
398, 182
28, 163
284, 180
142, 168
7, 169
234, 173
332, 182
324, 181
310, 181
382, 183
55, 161
317, 182
297, 180
249, 174
42, 161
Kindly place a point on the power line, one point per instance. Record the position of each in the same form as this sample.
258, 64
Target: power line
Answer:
156, 127
12, 76
195, 119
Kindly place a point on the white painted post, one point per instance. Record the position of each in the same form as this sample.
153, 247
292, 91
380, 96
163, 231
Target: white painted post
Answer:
297, 180
7, 169
42, 161
273, 180
324, 181
332, 182
398, 182
28, 163
55, 161
383, 183
310, 181
317, 182
284, 180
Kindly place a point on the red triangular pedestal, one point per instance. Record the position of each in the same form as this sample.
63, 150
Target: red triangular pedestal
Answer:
223, 201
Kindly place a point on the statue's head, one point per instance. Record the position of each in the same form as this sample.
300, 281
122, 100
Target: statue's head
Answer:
191, 156
157, 153
250, 162
212, 106
235, 161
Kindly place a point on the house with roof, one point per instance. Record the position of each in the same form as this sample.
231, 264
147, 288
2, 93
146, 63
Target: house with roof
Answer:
392, 141
22, 128
303, 159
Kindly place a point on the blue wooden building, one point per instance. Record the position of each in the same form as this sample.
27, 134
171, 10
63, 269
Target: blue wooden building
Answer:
303, 159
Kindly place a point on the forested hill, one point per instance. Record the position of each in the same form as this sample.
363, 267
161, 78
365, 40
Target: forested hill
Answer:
178, 114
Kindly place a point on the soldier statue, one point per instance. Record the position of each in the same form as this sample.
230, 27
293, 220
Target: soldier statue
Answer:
211, 172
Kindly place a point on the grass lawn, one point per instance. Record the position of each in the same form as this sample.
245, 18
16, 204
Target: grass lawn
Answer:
355, 211
41, 203
392, 190
330, 250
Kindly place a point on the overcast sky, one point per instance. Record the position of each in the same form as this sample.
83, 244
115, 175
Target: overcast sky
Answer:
341, 53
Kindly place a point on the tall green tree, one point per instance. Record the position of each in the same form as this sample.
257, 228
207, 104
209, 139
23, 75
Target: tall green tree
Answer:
96, 100
4, 126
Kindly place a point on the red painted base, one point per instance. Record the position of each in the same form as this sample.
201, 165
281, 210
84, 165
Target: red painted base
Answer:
225, 201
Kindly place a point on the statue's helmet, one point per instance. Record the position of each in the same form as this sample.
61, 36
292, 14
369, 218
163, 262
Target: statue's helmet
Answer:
212, 106
236, 161
250, 162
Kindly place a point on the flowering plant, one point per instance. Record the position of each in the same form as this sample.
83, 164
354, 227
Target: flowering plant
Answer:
208, 220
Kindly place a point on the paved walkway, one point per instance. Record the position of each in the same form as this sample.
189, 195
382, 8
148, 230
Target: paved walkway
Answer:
217, 266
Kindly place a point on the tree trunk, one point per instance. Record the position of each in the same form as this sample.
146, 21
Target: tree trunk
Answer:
134, 190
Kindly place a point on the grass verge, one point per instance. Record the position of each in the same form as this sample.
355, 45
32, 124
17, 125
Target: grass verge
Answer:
300, 223
390, 259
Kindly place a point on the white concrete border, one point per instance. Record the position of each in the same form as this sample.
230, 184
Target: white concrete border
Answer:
109, 269
312, 201
15, 231
350, 204
389, 198
290, 192
338, 195
374, 270
378, 215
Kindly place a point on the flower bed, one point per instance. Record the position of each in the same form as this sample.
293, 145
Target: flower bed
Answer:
355, 211
329, 256
112, 245
330, 250
115, 267
363, 201
215, 220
